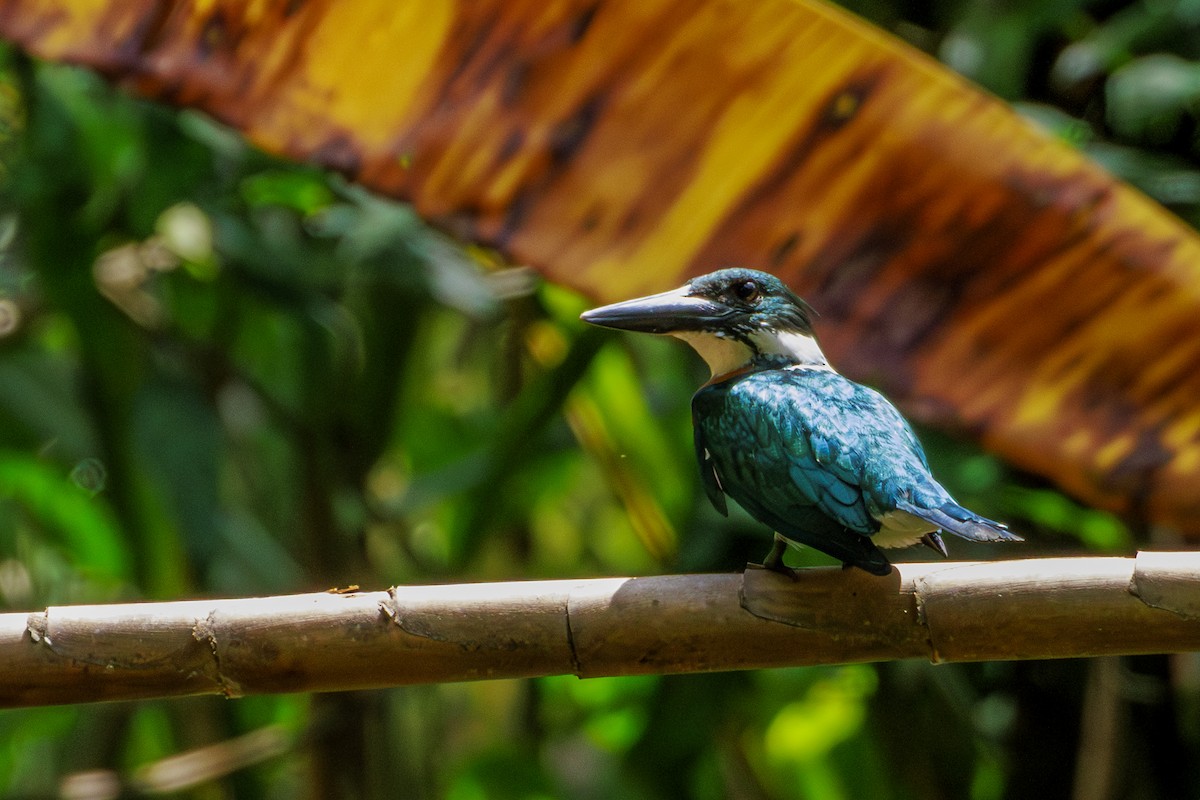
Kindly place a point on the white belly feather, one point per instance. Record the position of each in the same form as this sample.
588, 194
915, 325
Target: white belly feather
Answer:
901, 529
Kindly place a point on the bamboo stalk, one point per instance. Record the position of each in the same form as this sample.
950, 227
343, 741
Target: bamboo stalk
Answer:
955, 611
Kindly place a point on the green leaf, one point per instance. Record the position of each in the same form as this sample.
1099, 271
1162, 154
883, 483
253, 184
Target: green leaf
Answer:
78, 520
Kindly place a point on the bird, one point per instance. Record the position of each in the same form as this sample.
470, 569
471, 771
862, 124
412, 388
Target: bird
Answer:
820, 459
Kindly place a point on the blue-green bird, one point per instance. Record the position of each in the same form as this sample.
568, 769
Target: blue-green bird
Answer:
821, 459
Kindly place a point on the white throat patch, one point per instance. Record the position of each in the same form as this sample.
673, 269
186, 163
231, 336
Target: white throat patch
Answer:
725, 354
720, 353
797, 347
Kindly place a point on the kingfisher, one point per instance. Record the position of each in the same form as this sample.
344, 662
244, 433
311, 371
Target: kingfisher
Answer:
822, 460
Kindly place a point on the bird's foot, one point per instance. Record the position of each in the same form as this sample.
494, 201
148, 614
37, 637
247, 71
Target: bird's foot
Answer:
774, 559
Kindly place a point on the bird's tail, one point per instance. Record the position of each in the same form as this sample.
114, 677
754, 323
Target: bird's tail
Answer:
953, 518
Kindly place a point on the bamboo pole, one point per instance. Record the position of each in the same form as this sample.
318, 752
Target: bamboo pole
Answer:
951, 611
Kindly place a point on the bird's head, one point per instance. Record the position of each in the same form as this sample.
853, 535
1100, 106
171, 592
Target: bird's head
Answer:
733, 317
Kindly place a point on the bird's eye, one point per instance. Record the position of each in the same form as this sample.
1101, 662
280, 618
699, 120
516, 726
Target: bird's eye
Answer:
747, 291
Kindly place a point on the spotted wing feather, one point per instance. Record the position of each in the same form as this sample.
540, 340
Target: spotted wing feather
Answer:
764, 451
708, 474
822, 460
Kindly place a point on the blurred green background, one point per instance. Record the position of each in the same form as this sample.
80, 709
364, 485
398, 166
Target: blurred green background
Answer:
225, 375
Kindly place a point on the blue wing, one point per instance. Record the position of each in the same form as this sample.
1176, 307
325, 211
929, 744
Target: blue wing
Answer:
708, 474
814, 455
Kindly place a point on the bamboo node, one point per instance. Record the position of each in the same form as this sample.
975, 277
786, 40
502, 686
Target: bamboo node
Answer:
38, 627
205, 632
1169, 581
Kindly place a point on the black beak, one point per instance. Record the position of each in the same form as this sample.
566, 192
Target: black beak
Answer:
668, 312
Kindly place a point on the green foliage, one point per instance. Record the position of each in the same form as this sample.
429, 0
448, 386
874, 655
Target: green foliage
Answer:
221, 374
